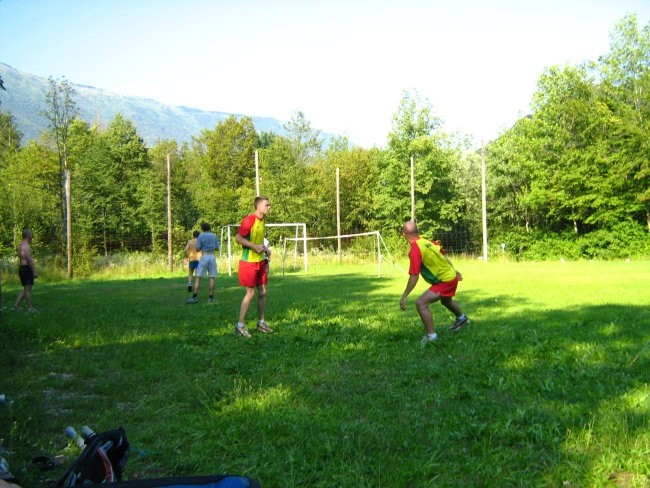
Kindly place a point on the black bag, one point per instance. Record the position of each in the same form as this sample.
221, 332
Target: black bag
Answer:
102, 460
105, 455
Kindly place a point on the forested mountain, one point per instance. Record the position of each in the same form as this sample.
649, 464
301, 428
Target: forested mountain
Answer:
25, 99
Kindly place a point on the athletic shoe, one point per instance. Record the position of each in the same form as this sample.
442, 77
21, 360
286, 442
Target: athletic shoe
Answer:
426, 339
14, 308
31, 310
263, 327
460, 322
212, 300
192, 300
243, 331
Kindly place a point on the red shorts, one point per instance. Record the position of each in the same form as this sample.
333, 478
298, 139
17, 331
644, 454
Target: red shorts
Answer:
446, 288
253, 274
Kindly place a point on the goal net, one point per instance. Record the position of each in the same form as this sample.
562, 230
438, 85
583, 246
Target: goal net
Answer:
290, 243
366, 247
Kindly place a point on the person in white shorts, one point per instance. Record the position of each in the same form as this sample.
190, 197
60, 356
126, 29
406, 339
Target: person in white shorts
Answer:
207, 243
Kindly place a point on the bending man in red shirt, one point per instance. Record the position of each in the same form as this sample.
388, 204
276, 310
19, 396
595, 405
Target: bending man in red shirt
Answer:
428, 259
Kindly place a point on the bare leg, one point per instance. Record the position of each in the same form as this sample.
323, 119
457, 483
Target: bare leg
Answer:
212, 280
422, 304
19, 298
197, 285
28, 296
261, 301
452, 306
243, 309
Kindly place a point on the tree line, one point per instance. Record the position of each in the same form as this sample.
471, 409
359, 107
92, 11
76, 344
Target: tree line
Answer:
579, 163
570, 179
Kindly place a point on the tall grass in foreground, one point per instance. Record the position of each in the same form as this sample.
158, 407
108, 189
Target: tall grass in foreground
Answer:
547, 387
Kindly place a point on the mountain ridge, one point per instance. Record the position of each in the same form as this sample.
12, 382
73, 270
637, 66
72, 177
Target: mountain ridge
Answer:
154, 120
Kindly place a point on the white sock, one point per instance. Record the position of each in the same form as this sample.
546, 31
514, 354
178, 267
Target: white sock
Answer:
433, 336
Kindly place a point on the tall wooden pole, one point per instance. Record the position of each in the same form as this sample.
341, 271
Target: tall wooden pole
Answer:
170, 256
257, 175
68, 218
338, 216
484, 203
412, 189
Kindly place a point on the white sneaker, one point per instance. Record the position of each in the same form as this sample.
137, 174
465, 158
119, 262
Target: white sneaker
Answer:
427, 338
242, 331
263, 327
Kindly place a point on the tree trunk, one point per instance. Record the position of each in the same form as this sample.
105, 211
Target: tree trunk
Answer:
68, 218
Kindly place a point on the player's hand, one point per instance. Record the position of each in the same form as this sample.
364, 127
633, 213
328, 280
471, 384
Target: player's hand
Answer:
402, 303
459, 276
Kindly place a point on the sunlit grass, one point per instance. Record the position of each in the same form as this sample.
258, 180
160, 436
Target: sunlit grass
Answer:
547, 386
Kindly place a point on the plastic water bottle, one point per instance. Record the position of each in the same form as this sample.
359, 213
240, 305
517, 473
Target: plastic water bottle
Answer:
4, 470
72, 434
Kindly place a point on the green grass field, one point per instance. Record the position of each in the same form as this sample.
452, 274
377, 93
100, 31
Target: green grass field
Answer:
548, 386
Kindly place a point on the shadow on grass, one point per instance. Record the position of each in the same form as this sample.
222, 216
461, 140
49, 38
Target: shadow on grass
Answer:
342, 395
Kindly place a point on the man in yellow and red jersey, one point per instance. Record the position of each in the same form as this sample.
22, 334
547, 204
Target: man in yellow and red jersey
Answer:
427, 258
254, 265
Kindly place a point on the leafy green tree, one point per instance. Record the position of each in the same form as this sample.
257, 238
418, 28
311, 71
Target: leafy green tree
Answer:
358, 181
60, 112
10, 135
224, 170
625, 73
417, 133
96, 195
153, 192
572, 123
511, 176
284, 179
10, 138
32, 196
305, 141
128, 159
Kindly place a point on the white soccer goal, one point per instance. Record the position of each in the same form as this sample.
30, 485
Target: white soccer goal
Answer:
377, 248
226, 229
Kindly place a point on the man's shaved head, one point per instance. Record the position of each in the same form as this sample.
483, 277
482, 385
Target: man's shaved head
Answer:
410, 228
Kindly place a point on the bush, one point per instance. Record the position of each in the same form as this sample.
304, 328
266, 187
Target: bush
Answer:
623, 241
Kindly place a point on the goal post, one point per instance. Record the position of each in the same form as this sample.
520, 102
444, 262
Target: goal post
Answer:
299, 227
379, 243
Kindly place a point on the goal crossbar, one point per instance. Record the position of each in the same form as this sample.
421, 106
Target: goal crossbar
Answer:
375, 233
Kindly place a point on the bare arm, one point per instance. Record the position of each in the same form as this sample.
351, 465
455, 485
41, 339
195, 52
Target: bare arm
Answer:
242, 241
413, 280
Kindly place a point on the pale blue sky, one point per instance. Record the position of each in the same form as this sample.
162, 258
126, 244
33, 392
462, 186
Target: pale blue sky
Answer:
345, 64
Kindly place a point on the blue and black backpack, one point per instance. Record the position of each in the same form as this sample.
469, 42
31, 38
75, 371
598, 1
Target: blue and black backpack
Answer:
105, 455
